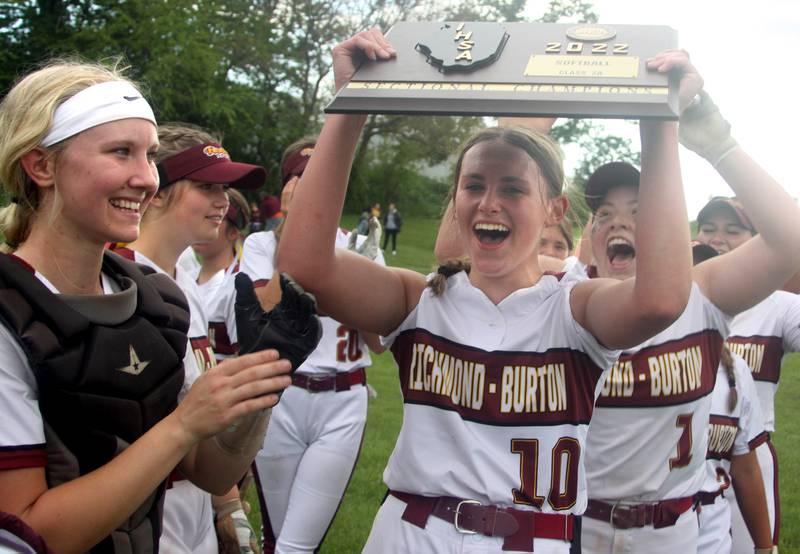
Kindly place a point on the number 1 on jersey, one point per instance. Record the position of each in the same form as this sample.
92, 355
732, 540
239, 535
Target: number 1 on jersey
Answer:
684, 442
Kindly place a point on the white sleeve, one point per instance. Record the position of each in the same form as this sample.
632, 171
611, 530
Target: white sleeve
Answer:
410, 320
574, 266
189, 263
791, 323
191, 371
751, 424
227, 301
19, 397
585, 341
258, 256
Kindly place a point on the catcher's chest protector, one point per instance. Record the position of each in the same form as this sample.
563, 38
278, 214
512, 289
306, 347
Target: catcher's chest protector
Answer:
108, 368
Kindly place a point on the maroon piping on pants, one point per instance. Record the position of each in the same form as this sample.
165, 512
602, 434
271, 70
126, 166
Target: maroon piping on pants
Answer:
777, 529
267, 536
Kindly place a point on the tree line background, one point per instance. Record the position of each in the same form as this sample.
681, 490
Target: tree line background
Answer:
257, 72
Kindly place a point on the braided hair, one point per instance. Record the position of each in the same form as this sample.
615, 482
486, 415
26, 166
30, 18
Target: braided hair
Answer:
728, 364
439, 281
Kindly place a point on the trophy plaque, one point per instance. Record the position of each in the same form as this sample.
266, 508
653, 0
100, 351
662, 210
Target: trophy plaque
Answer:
516, 69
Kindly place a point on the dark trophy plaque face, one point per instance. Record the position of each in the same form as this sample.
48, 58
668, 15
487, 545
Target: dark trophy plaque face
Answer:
455, 48
516, 69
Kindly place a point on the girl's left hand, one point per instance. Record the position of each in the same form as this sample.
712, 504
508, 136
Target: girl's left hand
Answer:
682, 74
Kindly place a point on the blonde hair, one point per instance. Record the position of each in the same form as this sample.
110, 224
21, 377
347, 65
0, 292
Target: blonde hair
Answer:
243, 205
26, 114
174, 138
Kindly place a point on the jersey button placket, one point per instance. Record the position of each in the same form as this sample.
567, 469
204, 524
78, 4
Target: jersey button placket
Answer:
495, 332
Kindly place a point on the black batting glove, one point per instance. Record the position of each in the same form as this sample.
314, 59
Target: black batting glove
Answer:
291, 327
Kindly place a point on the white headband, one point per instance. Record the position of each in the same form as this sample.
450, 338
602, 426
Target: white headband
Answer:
93, 106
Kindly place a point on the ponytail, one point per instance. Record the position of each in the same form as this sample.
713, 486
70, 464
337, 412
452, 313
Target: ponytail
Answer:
727, 362
450, 267
15, 223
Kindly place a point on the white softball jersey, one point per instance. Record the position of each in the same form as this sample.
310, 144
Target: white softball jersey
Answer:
648, 436
762, 335
341, 349
732, 433
497, 398
189, 262
219, 295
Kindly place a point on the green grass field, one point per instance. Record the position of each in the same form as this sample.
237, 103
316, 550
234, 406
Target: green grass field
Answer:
414, 243
787, 443
365, 493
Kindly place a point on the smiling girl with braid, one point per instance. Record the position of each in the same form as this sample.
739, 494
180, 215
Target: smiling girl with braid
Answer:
499, 362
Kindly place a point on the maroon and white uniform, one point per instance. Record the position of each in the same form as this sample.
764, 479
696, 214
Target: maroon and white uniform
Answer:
219, 296
497, 401
648, 437
188, 523
762, 335
730, 433
314, 438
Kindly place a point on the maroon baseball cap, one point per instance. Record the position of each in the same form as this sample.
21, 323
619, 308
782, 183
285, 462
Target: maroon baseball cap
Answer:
210, 163
729, 205
270, 205
236, 216
606, 177
296, 163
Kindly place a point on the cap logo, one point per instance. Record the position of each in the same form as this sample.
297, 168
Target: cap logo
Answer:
306, 152
591, 32
216, 152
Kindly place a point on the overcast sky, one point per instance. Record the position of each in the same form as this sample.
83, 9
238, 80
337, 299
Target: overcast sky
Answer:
749, 55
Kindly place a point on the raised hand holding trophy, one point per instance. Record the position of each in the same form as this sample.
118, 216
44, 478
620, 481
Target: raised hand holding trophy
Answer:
515, 69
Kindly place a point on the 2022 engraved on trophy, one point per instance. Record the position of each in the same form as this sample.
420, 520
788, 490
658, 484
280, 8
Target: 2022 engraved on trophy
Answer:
516, 69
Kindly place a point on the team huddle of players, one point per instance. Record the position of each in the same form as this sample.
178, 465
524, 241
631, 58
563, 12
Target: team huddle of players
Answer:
620, 400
